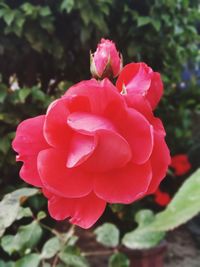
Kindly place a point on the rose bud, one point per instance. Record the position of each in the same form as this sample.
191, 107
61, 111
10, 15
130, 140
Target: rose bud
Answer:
106, 62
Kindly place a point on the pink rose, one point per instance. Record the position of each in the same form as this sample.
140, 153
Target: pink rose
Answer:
93, 146
106, 61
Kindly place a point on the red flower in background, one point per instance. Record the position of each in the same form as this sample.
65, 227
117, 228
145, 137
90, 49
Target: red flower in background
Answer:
180, 163
93, 146
106, 61
162, 198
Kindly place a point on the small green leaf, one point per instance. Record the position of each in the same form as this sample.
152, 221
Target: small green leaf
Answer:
141, 21
46, 264
9, 16
31, 260
107, 234
142, 239
27, 8
45, 11
7, 244
72, 241
72, 257
20, 21
41, 215
50, 248
23, 94
10, 206
144, 217
156, 24
119, 260
47, 24
24, 212
26, 238
67, 5
7, 264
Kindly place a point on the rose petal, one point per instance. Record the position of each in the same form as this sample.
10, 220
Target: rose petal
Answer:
81, 147
160, 160
139, 135
29, 139
29, 172
155, 91
136, 77
112, 149
83, 212
123, 185
101, 95
59, 179
56, 130
139, 103
28, 142
87, 123
112, 152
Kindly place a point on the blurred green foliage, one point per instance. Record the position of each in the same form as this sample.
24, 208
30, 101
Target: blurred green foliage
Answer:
52, 39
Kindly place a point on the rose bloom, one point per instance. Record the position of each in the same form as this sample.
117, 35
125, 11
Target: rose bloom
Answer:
162, 198
93, 146
106, 61
180, 163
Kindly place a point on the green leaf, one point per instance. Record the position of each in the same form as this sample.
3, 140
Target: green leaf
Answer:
141, 21
107, 234
7, 244
46, 264
72, 257
144, 217
9, 16
24, 213
183, 207
47, 24
45, 11
41, 215
26, 238
7, 264
10, 206
67, 5
50, 248
23, 94
72, 241
139, 238
119, 260
28, 8
142, 239
20, 21
31, 260
156, 24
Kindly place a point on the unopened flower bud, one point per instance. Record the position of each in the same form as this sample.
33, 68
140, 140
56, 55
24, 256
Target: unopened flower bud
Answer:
106, 61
